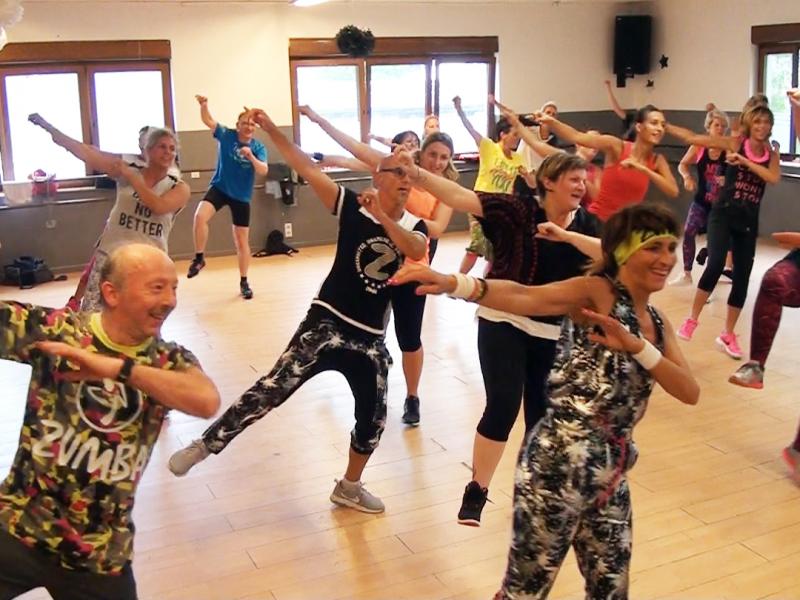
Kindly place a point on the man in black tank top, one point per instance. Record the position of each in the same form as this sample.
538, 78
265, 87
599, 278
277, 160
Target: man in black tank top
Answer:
344, 328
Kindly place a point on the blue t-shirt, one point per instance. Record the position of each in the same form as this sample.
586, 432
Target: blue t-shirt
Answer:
235, 174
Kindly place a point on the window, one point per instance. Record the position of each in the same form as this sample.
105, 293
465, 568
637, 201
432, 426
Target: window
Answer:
393, 90
779, 59
102, 96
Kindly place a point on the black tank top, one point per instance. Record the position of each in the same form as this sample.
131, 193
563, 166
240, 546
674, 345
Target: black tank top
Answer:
741, 196
708, 169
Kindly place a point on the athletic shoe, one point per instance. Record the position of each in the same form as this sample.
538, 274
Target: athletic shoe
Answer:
749, 375
729, 344
183, 460
195, 267
358, 497
792, 459
686, 330
245, 290
702, 255
728, 273
472, 504
411, 411
682, 280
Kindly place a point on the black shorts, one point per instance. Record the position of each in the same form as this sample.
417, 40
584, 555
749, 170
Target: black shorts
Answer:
240, 211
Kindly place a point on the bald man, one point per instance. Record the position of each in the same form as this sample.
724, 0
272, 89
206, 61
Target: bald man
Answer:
100, 386
345, 326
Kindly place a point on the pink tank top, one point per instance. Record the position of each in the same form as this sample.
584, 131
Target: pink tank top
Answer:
620, 186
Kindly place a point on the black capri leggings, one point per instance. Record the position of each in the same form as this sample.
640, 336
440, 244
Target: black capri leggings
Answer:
515, 366
728, 230
408, 309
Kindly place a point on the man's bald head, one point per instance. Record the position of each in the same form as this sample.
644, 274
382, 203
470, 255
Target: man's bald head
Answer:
129, 258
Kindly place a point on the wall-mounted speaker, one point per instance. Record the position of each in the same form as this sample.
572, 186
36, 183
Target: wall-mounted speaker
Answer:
632, 46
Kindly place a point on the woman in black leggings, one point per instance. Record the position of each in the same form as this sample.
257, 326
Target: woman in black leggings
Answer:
733, 221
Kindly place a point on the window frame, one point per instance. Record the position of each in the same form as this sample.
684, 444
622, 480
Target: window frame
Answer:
430, 51
85, 59
779, 39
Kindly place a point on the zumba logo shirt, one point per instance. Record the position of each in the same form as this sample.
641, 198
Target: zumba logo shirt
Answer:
356, 288
83, 445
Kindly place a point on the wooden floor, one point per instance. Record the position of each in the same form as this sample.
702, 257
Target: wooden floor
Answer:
716, 515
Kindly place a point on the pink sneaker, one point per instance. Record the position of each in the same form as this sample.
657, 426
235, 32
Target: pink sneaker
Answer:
687, 329
792, 459
729, 344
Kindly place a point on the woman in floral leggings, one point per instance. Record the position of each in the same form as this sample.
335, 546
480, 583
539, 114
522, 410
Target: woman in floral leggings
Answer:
571, 488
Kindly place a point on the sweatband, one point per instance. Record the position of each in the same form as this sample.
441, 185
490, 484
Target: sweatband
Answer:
649, 356
465, 286
638, 239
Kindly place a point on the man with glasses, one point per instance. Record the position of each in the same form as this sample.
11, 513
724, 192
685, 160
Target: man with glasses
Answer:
345, 326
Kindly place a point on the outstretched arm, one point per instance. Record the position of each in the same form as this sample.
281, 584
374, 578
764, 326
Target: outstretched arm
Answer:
618, 110
446, 191
537, 145
205, 115
324, 186
463, 116
95, 159
342, 162
721, 142
363, 152
381, 140
610, 145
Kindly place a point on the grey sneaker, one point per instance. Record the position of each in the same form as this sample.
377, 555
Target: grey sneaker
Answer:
185, 459
750, 374
359, 498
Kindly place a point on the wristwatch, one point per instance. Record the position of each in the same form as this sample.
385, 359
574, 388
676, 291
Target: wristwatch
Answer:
125, 371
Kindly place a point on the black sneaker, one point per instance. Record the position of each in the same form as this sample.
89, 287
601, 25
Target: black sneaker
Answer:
702, 255
411, 411
246, 292
472, 504
195, 267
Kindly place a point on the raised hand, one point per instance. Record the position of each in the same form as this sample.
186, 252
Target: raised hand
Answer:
90, 365
794, 96
201, 100
614, 334
431, 282
261, 118
307, 111
39, 120
457, 103
369, 200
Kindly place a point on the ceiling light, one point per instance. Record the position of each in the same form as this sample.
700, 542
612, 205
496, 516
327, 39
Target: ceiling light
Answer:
307, 2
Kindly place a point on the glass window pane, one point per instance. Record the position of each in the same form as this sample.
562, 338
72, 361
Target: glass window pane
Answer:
397, 96
121, 113
778, 79
332, 91
55, 96
471, 82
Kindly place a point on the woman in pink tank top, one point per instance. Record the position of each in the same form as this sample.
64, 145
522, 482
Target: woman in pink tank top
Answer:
629, 166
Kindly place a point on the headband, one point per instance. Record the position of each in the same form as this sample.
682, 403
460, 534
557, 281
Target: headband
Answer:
637, 239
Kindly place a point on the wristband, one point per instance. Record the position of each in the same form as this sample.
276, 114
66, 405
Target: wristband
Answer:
318, 156
483, 287
465, 286
648, 356
125, 371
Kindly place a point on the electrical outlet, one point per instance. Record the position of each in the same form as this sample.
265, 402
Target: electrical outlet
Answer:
195, 174
287, 230
50, 223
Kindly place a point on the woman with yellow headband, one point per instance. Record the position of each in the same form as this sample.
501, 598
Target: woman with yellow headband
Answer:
571, 486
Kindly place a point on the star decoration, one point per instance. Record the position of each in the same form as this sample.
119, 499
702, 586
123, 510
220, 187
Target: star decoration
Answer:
651, 83
663, 61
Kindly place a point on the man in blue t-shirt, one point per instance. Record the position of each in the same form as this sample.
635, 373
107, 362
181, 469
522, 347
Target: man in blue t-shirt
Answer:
240, 158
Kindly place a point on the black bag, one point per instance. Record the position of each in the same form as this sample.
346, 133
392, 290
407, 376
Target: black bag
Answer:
26, 272
276, 245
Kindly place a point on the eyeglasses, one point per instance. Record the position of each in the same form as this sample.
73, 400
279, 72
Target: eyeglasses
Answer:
398, 171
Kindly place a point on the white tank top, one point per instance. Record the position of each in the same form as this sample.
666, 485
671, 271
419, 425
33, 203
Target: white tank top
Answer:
131, 221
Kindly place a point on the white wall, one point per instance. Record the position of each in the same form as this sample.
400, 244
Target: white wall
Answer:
238, 53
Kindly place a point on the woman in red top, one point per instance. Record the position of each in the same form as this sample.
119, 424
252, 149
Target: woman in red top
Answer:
629, 166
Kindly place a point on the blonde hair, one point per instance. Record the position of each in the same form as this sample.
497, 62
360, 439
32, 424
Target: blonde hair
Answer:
716, 114
759, 110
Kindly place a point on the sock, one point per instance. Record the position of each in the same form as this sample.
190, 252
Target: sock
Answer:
349, 486
242, 280
198, 256
796, 444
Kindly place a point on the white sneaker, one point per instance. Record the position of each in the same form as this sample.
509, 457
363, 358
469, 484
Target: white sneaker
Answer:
683, 280
357, 497
185, 459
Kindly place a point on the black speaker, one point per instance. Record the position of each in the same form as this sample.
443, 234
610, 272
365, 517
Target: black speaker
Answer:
632, 45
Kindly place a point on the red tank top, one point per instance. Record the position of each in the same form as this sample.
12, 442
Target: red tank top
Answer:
620, 186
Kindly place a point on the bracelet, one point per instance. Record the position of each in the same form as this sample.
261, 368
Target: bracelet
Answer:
649, 356
483, 286
465, 286
125, 371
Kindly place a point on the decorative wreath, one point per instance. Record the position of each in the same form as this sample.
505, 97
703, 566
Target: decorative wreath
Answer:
354, 41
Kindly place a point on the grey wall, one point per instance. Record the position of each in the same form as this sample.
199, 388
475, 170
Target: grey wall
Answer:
64, 233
